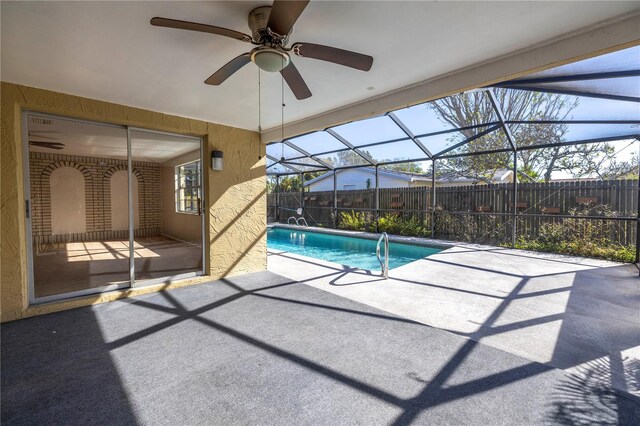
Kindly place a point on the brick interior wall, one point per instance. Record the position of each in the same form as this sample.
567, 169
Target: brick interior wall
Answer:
97, 174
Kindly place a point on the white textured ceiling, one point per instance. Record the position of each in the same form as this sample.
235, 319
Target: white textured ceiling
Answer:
109, 51
99, 140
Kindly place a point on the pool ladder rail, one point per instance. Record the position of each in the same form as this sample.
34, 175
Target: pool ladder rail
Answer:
384, 265
297, 220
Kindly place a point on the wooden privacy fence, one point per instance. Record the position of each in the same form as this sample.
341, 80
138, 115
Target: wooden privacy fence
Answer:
486, 210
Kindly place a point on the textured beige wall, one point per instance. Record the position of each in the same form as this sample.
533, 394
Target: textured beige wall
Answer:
235, 202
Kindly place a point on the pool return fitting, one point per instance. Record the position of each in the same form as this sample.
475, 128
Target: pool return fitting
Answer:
384, 265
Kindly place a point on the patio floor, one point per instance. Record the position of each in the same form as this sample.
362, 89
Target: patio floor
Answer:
580, 315
265, 349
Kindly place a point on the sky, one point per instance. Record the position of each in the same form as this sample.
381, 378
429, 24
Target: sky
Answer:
421, 119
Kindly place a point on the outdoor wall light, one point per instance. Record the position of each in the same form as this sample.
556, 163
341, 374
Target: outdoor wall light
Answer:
217, 162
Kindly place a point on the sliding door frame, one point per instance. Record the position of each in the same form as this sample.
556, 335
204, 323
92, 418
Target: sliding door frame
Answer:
132, 282
170, 278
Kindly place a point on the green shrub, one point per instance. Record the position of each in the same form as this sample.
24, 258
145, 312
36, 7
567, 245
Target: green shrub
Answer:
482, 229
389, 223
582, 237
355, 221
412, 227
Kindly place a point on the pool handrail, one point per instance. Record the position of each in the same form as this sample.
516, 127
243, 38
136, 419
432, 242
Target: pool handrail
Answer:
297, 220
384, 265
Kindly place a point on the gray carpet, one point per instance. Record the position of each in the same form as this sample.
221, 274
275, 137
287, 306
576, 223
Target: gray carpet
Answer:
260, 349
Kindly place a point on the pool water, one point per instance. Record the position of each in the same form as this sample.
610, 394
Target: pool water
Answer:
350, 251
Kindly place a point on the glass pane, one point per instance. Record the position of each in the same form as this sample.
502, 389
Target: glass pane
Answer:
279, 150
317, 142
438, 143
275, 169
405, 150
420, 172
494, 140
466, 109
167, 205
622, 60
540, 134
627, 86
305, 164
343, 158
372, 130
79, 206
522, 105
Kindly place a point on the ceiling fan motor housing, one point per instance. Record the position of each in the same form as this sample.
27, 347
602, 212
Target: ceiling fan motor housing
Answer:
258, 19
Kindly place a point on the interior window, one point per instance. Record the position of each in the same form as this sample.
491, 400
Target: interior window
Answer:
188, 188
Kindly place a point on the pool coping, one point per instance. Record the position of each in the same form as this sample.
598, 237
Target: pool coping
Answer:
414, 241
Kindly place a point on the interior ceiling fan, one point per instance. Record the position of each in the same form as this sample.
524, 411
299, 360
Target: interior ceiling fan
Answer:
270, 28
45, 142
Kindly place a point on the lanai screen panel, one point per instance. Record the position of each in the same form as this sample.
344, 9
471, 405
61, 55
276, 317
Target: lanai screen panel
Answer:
597, 99
394, 151
437, 116
372, 130
612, 75
318, 142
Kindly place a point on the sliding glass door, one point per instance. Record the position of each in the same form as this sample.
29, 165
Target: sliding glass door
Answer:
167, 181
108, 206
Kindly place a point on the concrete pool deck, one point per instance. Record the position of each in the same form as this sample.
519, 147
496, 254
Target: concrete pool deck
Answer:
264, 349
580, 315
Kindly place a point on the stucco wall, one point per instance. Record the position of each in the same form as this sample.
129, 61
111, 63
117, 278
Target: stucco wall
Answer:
235, 201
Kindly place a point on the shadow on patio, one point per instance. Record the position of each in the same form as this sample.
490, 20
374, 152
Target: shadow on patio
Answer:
262, 348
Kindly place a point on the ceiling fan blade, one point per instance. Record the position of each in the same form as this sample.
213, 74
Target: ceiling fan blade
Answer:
228, 69
50, 145
295, 81
203, 28
46, 138
333, 54
284, 14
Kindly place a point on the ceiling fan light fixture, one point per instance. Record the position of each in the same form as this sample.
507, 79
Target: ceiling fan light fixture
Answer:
269, 59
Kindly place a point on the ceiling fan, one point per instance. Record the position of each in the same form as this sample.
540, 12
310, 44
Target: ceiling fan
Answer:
49, 142
270, 28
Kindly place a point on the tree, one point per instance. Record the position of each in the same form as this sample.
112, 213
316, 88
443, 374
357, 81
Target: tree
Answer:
410, 167
473, 109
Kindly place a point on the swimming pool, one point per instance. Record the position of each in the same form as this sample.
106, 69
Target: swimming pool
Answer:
350, 251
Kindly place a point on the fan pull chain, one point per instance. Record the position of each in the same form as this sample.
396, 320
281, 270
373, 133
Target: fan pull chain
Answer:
282, 111
259, 113
259, 103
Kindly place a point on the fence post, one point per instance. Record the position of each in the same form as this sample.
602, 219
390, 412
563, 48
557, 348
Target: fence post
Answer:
433, 198
514, 216
638, 219
335, 198
377, 200
302, 192
278, 198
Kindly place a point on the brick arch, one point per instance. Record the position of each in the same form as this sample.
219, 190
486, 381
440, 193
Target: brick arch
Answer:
44, 207
106, 195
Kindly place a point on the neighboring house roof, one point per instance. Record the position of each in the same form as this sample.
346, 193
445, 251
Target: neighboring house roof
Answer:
500, 175
398, 175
